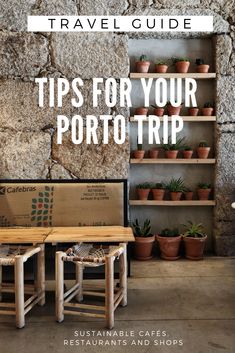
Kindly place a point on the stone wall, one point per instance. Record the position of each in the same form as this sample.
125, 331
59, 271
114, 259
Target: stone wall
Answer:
27, 133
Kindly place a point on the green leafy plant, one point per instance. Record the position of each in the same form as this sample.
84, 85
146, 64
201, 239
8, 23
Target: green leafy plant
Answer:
208, 105
156, 107
143, 186
174, 146
199, 61
158, 186
169, 103
203, 144
177, 59
142, 231
204, 185
143, 57
194, 230
161, 62
176, 185
187, 148
167, 232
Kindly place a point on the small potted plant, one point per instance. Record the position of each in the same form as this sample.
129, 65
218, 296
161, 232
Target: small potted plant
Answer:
143, 64
203, 191
172, 149
158, 111
193, 111
153, 153
203, 150
139, 153
169, 242
173, 110
201, 66
188, 194
208, 109
194, 241
141, 111
161, 67
143, 191
176, 188
181, 64
158, 191
144, 240
187, 152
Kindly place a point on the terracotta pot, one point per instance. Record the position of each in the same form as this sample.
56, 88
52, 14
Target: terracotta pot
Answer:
203, 194
142, 66
193, 111
173, 110
207, 111
203, 152
153, 153
182, 66
143, 194
203, 68
194, 247
158, 194
162, 69
171, 154
143, 247
141, 111
187, 154
169, 247
175, 196
158, 111
188, 195
138, 154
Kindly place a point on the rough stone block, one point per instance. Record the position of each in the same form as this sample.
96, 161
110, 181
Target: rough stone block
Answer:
225, 244
102, 7
93, 161
225, 172
55, 7
57, 171
24, 155
13, 14
22, 54
225, 94
90, 55
223, 54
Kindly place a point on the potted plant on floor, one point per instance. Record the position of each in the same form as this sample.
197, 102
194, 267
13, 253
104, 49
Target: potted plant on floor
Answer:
141, 111
203, 150
161, 67
169, 242
208, 109
143, 64
171, 110
181, 64
139, 153
158, 111
194, 241
153, 153
187, 152
176, 187
144, 240
203, 191
172, 149
201, 66
193, 111
143, 191
158, 191
188, 194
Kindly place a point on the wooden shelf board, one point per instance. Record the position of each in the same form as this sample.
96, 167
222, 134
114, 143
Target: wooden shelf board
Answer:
136, 75
172, 203
172, 161
185, 118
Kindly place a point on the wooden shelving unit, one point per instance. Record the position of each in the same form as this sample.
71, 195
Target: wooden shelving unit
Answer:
137, 75
196, 119
172, 203
172, 161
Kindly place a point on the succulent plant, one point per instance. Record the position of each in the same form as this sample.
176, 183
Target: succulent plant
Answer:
204, 185
173, 146
199, 61
159, 186
143, 186
142, 231
203, 144
208, 105
176, 185
143, 57
194, 230
167, 232
177, 59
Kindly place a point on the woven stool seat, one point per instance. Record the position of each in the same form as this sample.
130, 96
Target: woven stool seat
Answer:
8, 253
88, 255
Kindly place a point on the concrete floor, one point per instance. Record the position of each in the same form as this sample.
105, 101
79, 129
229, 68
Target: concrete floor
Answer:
185, 302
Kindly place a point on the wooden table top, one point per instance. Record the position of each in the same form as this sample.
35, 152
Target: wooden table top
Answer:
90, 234
23, 235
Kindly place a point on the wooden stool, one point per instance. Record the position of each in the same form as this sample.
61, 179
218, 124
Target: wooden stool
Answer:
16, 256
85, 255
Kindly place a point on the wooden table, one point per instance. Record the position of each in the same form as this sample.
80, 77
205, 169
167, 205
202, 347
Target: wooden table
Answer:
23, 235
115, 234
